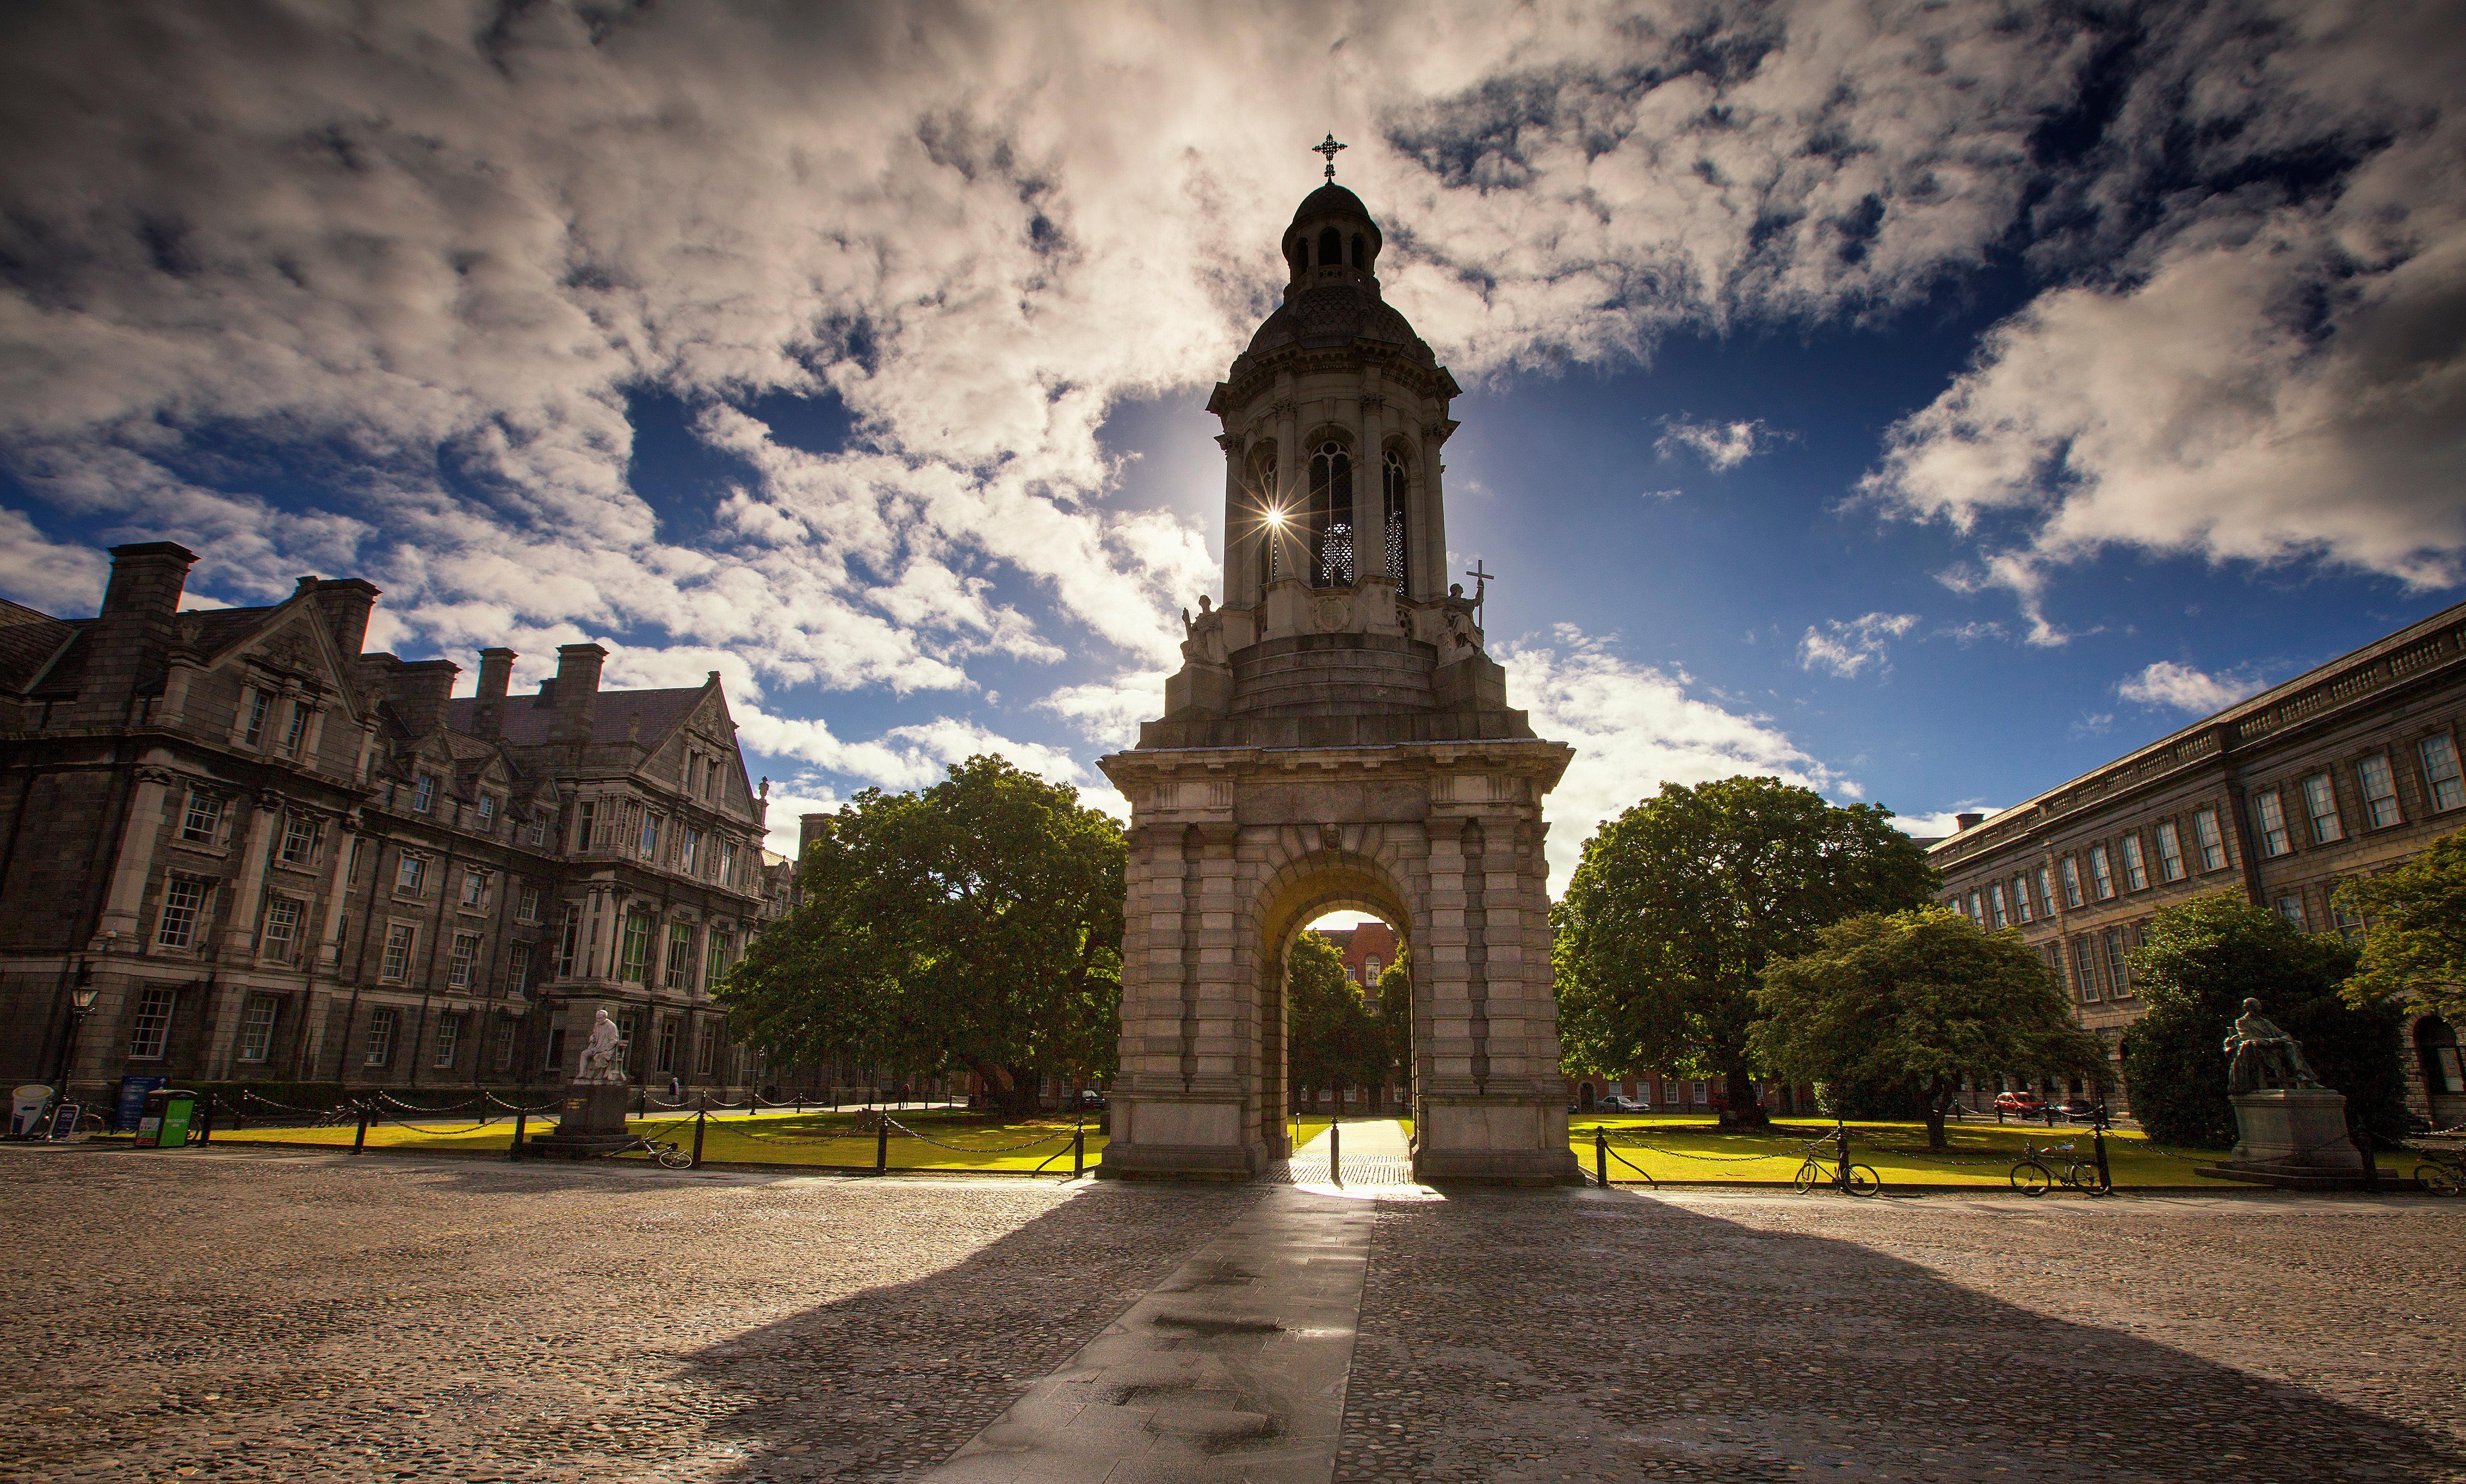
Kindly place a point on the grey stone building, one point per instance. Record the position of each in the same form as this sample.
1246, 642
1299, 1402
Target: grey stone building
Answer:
277, 860
2344, 770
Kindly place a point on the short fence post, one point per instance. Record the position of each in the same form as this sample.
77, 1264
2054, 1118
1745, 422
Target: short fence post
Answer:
800, 1102
1079, 1151
643, 1102
360, 1140
522, 1123
2097, 1141
702, 1113
1841, 1145
881, 1146
206, 1121
1334, 1154
1602, 1157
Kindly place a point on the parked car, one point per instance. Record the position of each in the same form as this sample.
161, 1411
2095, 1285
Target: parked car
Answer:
2078, 1108
1620, 1103
2029, 1105
1091, 1100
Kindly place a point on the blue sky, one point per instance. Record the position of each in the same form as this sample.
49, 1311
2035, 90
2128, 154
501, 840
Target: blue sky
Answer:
1923, 404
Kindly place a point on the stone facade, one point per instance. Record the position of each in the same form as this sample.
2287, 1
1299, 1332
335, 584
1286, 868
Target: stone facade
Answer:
2346, 770
1337, 738
280, 860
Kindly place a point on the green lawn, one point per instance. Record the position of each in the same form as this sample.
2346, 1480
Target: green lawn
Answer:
813, 1139
1675, 1148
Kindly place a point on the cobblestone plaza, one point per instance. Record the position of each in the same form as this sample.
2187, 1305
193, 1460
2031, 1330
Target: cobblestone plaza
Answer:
258, 1316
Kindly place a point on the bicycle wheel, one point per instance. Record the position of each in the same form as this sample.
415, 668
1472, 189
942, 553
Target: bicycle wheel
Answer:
2087, 1178
1863, 1180
675, 1158
2439, 1178
2031, 1179
1809, 1176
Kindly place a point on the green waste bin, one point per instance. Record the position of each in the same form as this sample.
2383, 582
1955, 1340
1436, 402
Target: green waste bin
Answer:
167, 1114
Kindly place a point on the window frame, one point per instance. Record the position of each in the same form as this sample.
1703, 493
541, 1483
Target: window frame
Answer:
295, 728
396, 959
462, 967
423, 793
191, 914
211, 805
677, 969
2275, 839
2046, 892
2365, 782
2442, 791
150, 1023
519, 964
2069, 868
296, 828
1995, 905
448, 1041
2101, 871
385, 1018
254, 1045
265, 935
2136, 863
2299, 919
2171, 852
2320, 809
2118, 968
254, 707
634, 943
475, 889
2209, 840
410, 874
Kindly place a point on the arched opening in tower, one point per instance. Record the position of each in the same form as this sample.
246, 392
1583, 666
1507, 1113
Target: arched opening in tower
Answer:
1331, 516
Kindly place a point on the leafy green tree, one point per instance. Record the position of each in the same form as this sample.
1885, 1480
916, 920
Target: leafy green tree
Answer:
975, 924
1335, 1040
2414, 952
1909, 1003
1679, 904
2196, 963
1395, 1018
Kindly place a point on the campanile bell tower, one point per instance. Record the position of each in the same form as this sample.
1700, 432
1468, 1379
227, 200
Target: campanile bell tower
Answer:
1336, 737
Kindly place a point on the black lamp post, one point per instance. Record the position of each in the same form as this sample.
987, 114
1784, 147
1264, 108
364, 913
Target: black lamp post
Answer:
81, 998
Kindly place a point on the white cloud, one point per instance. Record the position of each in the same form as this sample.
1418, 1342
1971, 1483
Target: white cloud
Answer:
47, 574
2266, 378
1108, 712
2181, 687
1938, 825
1844, 648
1635, 728
1721, 445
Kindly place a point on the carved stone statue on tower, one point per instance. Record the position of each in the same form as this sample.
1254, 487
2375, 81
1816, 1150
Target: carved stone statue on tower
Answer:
1336, 736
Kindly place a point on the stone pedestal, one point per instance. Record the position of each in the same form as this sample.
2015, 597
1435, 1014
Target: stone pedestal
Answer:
2295, 1138
592, 1122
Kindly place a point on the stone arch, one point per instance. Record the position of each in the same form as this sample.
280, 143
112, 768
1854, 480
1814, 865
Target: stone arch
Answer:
1309, 880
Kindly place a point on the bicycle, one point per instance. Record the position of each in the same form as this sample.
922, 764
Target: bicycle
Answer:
2032, 1176
670, 1155
2442, 1174
1857, 1179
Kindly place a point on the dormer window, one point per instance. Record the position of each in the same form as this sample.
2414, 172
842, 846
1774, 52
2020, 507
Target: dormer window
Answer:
296, 729
252, 731
423, 793
487, 809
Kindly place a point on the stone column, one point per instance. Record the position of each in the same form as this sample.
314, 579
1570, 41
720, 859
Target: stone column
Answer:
133, 864
240, 937
1428, 524
1370, 478
1241, 543
338, 892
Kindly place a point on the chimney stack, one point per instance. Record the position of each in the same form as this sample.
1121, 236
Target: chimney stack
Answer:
345, 603
488, 713
1969, 821
419, 689
140, 614
577, 690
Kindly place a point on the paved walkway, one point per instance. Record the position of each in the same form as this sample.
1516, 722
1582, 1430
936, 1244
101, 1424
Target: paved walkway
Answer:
1372, 1151
309, 1317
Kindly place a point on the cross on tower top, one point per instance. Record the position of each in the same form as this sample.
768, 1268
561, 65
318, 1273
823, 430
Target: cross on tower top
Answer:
1328, 146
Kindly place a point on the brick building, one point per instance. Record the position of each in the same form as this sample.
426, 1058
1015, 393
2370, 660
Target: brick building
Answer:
1368, 949
278, 860
2344, 770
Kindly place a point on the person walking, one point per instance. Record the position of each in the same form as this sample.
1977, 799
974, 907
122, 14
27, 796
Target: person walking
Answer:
676, 1089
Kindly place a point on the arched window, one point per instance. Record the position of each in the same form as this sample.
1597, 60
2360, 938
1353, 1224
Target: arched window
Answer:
1272, 568
1331, 516
1357, 251
1394, 484
1331, 247
2438, 1043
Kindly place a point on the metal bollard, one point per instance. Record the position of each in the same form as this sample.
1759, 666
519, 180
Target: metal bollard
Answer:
1841, 1145
882, 1147
1602, 1157
206, 1121
522, 1122
701, 1115
2097, 1141
1079, 1151
1334, 1154
360, 1140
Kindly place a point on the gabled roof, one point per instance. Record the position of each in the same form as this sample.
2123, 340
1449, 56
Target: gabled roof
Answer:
650, 714
28, 641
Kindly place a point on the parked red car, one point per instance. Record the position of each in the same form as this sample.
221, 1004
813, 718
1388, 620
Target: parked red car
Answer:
2029, 1105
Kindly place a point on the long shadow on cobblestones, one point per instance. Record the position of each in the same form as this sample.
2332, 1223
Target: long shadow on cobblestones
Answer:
1532, 1336
888, 1383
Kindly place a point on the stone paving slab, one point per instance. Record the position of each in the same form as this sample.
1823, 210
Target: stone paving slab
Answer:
256, 1316
1596, 1335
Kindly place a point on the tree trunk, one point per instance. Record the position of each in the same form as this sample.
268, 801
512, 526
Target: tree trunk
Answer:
1935, 1098
1743, 1112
